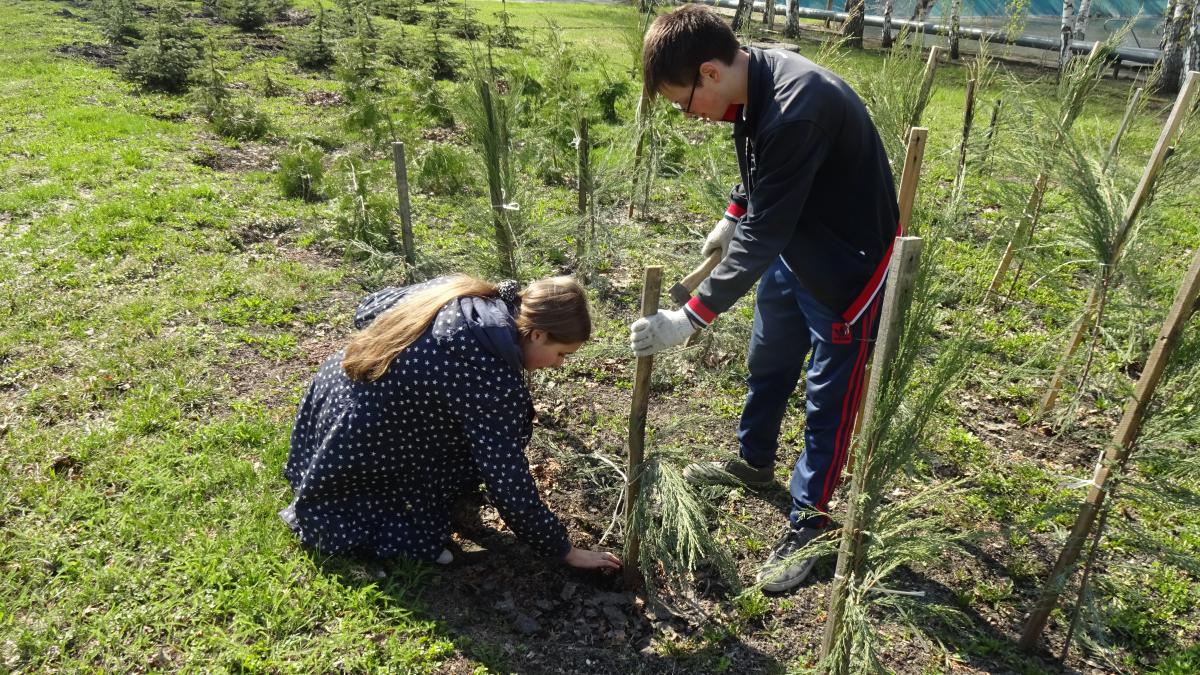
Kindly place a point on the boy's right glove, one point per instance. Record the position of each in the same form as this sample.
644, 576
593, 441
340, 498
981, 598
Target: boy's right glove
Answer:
652, 334
719, 238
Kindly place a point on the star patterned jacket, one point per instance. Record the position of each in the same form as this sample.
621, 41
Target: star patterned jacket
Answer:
376, 465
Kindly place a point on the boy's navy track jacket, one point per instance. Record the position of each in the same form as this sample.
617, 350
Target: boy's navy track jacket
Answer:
816, 189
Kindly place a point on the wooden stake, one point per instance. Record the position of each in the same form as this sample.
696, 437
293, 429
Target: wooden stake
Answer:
1117, 454
643, 109
968, 118
1024, 233
902, 275
908, 194
911, 174
991, 132
402, 202
1153, 167
1116, 141
926, 85
585, 181
651, 289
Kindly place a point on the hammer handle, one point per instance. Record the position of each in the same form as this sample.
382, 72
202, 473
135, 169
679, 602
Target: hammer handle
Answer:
691, 281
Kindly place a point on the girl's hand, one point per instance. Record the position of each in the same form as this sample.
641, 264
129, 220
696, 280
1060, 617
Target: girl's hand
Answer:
592, 560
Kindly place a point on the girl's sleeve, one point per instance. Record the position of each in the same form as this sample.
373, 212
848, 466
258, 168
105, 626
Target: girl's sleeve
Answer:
493, 422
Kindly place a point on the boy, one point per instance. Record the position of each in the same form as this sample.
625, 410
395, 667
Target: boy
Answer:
813, 222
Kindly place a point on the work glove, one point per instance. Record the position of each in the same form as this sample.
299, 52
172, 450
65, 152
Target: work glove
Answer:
652, 334
719, 238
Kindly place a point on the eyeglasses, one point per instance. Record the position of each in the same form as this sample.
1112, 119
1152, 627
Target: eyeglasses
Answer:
688, 108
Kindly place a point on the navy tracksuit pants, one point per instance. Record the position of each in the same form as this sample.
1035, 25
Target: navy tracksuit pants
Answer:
791, 328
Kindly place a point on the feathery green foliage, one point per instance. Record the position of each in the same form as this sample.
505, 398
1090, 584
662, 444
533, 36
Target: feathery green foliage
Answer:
892, 95
118, 21
312, 49
674, 526
912, 387
364, 219
165, 59
489, 107
301, 173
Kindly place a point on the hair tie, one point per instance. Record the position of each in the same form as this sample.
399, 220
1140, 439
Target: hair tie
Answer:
510, 291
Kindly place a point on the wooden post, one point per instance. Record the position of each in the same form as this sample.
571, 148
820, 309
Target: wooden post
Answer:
585, 184
1116, 141
968, 118
402, 202
991, 132
1117, 454
911, 175
902, 274
651, 289
908, 194
1157, 158
1029, 217
643, 109
926, 85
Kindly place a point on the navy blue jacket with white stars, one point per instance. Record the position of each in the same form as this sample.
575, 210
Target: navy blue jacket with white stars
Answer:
375, 466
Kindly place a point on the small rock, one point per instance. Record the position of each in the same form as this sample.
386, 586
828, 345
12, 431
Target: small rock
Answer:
568, 590
526, 625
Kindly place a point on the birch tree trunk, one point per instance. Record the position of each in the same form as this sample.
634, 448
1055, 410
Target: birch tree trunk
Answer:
1081, 19
793, 19
887, 23
853, 29
744, 10
955, 21
1068, 29
769, 15
1191, 49
1170, 76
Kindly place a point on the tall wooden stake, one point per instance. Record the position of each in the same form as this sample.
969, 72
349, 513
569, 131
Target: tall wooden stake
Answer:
403, 204
908, 195
991, 132
643, 109
968, 118
585, 186
1157, 158
1117, 454
1033, 207
1116, 141
902, 274
926, 85
651, 289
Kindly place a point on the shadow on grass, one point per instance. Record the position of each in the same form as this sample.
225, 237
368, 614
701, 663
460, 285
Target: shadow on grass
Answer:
507, 610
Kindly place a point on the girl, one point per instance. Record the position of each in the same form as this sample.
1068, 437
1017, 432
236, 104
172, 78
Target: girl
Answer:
425, 403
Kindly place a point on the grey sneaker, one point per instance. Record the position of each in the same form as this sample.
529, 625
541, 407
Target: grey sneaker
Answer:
786, 567
735, 472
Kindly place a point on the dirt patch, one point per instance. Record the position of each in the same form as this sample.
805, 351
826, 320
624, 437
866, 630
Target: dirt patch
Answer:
105, 56
323, 99
247, 157
295, 17
456, 135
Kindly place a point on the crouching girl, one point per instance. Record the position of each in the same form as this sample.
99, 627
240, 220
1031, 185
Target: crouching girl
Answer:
427, 402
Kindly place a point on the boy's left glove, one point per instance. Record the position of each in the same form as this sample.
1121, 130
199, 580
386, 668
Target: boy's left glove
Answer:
652, 334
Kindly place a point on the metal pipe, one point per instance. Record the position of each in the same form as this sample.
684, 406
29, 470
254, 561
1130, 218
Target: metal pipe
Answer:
1131, 54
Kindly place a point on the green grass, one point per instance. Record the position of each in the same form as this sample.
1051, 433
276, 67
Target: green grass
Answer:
159, 320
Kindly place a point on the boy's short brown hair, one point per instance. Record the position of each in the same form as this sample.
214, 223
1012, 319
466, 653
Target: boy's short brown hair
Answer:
677, 43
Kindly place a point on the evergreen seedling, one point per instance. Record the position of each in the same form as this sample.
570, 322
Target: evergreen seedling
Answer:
117, 21
165, 59
246, 15
229, 118
364, 218
508, 36
312, 50
301, 173
489, 109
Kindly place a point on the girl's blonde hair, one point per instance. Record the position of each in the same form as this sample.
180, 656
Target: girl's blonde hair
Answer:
557, 305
